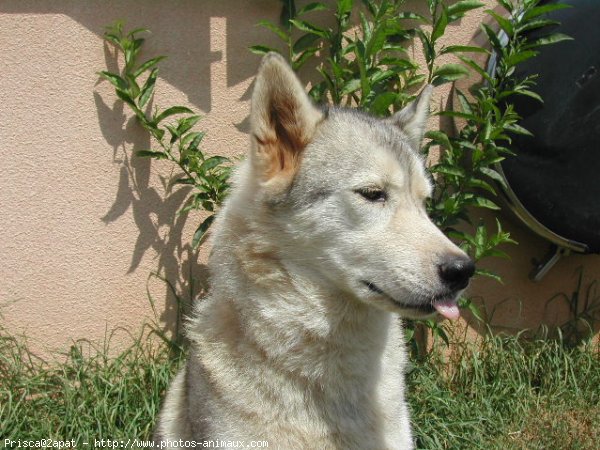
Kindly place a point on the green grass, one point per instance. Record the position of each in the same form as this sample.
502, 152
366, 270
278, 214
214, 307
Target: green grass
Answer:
501, 392
507, 393
82, 397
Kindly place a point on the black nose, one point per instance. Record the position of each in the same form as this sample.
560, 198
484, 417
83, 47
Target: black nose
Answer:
456, 271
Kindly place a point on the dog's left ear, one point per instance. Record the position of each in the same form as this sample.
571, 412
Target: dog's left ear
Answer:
283, 120
412, 119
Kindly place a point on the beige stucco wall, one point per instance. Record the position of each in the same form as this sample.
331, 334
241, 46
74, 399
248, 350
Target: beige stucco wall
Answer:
83, 226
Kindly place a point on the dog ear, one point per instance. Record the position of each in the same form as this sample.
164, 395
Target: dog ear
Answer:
283, 120
412, 119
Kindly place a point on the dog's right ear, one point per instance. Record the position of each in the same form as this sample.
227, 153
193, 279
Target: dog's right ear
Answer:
283, 121
412, 119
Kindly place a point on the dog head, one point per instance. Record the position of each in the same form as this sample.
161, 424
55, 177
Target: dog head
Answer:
345, 194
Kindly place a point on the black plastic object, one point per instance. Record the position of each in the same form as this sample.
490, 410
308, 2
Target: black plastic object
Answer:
556, 174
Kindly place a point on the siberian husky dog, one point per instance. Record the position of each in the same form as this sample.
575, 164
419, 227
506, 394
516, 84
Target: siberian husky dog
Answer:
323, 243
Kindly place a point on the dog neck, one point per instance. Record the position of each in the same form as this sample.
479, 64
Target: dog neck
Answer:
298, 322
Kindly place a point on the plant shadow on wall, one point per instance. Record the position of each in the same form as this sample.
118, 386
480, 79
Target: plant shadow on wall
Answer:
361, 62
582, 313
196, 182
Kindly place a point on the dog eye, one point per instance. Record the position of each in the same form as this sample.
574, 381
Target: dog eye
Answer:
372, 194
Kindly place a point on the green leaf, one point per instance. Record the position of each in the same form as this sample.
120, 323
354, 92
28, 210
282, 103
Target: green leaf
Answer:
185, 180
381, 75
406, 15
376, 42
539, 10
382, 102
196, 138
535, 24
489, 274
451, 70
200, 233
148, 88
309, 28
458, 9
300, 60
476, 67
151, 154
504, 23
173, 130
364, 80
350, 87
480, 184
440, 138
147, 65
448, 72
531, 94
211, 163
344, 7
428, 48
171, 112
448, 169
481, 236
137, 42
463, 49
551, 39
315, 6
156, 132
494, 175
185, 124
416, 80
440, 26
127, 99
262, 49
283, 35
134, 89
483, 202
492, 37
114, 38
399, 64
518, 129
304, 42
135, 31
318, 91
115, 80
464, 102
520, 57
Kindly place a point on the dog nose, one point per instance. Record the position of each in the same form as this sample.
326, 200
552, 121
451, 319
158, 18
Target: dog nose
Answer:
456, 271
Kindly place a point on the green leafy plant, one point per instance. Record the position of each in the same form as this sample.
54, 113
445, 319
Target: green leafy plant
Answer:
466, 173
442, 15
363, 62
365, 66
175, 141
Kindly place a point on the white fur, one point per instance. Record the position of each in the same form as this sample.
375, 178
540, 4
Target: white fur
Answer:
291, 346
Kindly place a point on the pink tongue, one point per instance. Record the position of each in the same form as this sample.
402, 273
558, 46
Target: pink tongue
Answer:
447, 309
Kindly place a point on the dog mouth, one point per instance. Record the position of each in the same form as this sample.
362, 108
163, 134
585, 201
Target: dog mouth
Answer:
445, 303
